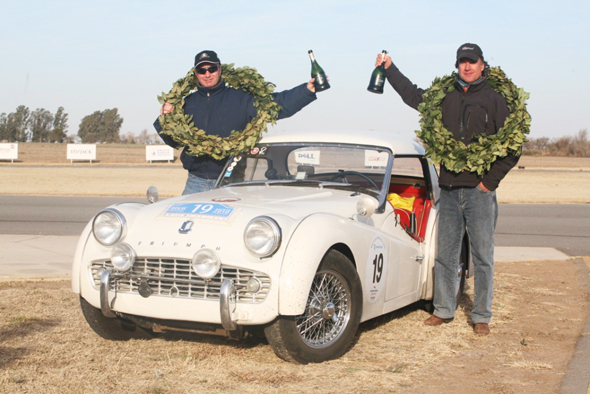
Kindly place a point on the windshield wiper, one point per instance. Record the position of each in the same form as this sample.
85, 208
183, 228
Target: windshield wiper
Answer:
350, 186
292, 182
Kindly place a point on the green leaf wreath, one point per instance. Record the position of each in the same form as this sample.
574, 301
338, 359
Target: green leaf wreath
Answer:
180, 127
442, 148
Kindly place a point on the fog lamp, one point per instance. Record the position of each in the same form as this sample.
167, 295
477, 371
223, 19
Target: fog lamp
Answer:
122, 257
253, 285
206, 263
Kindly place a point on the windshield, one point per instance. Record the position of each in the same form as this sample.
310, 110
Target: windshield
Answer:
327, 165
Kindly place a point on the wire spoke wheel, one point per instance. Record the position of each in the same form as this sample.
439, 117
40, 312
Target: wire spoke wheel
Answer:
328, 325
327, 312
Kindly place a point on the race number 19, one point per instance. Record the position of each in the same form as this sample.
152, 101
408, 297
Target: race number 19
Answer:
377, 268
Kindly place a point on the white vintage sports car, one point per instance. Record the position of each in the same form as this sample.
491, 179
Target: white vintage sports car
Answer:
306, 236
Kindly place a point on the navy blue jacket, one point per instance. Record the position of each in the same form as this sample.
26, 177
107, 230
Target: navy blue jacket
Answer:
220, 110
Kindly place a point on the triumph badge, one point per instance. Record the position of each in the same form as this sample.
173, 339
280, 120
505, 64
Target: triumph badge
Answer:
186, 227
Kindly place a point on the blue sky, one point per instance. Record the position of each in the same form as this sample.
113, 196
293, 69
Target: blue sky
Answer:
93, 55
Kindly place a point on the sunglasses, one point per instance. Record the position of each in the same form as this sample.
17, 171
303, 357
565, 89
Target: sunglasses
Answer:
204, 70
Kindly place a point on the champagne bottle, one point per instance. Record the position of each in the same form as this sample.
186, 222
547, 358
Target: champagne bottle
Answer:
321, 82
378, 77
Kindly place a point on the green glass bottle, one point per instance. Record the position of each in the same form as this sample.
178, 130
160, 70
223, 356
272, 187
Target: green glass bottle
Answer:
378, 78
317, 72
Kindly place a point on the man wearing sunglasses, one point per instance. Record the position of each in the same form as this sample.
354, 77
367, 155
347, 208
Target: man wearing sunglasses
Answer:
219, 109
467, 201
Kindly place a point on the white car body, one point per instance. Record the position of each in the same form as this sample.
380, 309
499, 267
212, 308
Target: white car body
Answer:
394, 265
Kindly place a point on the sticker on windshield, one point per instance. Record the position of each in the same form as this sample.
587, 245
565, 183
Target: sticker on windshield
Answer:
200, 211
258, 151
230, 168
310, 157
376, 270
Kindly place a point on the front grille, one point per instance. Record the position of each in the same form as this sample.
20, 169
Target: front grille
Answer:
175, 278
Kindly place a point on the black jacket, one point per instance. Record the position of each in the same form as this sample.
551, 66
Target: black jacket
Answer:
222, 109
464, 114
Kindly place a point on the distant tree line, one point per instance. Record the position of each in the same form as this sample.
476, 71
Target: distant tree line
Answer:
101, 126
577, 146
39, 125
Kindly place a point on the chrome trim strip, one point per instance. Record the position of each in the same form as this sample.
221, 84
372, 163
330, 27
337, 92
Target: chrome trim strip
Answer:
105, 284
227, 294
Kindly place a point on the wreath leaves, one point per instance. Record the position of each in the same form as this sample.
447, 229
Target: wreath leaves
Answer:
478, 156
180, 127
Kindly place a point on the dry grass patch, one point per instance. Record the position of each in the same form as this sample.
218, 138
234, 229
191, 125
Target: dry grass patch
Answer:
46, 346
92, 181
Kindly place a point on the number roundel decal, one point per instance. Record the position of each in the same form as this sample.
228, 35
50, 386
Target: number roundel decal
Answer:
376, 270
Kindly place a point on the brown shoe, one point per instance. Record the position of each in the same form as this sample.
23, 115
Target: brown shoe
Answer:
481, 328
434, 320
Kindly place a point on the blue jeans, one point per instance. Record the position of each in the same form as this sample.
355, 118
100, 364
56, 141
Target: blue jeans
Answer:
194, 184
475, 211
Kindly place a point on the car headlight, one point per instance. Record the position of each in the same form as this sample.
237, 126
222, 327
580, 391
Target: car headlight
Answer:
109, 226
206, 263
262, 236
122, 257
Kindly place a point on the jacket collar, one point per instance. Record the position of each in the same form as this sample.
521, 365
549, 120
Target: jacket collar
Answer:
207, 91
470, 87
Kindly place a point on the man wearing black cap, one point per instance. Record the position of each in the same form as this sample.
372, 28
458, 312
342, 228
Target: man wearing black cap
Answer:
467, 201
219, 109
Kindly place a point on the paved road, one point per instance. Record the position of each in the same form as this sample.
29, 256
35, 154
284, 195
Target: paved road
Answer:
51, 215
565, 227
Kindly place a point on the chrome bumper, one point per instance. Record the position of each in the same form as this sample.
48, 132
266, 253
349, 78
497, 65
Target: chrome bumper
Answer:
227, 304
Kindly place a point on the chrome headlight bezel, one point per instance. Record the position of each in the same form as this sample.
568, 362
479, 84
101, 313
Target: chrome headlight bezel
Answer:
262, 236
123, 257
109, 226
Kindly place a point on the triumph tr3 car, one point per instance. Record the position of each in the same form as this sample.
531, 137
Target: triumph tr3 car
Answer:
305, 236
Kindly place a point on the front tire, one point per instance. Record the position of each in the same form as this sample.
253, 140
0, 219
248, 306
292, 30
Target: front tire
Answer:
328, 326
112, 329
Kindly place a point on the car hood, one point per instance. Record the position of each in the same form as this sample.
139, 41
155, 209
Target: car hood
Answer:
292, 201
237, 205
217, 218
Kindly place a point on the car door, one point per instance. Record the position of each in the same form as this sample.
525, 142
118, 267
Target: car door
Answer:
405, 252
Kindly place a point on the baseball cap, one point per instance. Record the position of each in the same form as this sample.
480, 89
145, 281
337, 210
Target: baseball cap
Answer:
469, 51
206, 57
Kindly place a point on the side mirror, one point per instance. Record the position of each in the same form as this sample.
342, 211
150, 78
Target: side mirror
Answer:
366, 206
152, 194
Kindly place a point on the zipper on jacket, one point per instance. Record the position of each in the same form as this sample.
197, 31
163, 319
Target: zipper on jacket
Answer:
207, 111
462, 115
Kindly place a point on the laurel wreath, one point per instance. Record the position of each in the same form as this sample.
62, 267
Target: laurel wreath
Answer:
484, 149
180, 127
